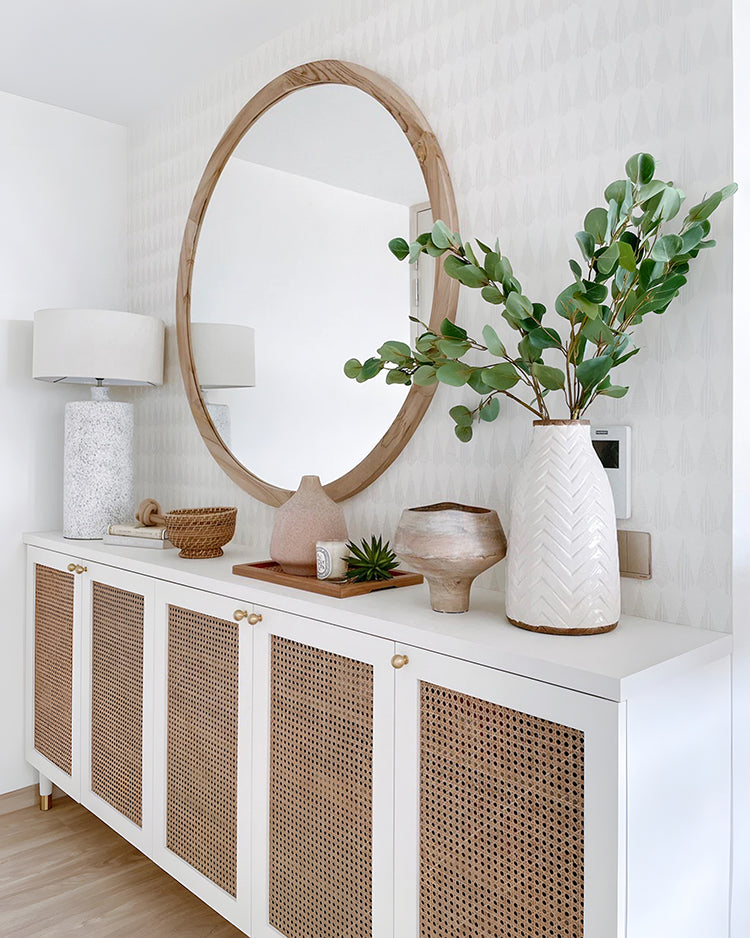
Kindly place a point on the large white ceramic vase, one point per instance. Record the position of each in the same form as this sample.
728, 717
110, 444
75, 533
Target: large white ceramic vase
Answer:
562, 573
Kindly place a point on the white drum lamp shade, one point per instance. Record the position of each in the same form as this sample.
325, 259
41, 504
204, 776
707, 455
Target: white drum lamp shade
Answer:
99, 347
224, 356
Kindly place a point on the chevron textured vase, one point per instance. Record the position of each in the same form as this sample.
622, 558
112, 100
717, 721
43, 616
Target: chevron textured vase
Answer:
562, 567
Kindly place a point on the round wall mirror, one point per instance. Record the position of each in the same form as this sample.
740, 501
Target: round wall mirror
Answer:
285, 273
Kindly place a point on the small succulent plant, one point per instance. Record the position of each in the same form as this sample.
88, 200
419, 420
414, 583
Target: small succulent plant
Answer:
370, 561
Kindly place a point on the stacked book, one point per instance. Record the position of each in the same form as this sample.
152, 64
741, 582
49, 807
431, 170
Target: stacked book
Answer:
134, 534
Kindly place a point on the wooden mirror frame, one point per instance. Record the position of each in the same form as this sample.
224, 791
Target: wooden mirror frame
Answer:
445, 299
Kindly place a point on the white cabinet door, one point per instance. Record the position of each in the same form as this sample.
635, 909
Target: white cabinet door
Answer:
509, 809
322, 781
53, 659
117, 700
202, 668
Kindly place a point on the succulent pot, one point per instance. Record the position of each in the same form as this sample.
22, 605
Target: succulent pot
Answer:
307, 517
450, 545
562, 574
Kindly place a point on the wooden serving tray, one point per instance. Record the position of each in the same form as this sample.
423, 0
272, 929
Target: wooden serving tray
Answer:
271, 572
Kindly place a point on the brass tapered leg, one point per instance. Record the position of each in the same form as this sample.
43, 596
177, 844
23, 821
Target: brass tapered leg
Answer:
45, 802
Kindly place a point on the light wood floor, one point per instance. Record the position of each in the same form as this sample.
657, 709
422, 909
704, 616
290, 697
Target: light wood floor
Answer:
64, 874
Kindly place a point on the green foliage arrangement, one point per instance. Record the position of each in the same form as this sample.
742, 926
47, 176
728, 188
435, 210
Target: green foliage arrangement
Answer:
632, 266
373, 561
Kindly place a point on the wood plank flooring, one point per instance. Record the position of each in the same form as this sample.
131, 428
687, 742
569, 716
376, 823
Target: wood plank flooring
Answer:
63, 874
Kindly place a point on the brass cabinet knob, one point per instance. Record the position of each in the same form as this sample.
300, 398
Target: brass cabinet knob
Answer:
71, 568
254, 618
240, 614
80, 569
398, 661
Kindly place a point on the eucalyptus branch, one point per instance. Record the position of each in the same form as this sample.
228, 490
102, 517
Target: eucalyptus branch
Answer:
631, 268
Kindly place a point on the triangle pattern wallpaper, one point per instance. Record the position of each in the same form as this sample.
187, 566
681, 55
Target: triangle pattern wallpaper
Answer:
537, 104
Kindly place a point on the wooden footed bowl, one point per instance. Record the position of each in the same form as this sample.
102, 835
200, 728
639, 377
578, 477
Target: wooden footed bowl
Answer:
201, 533
450, 545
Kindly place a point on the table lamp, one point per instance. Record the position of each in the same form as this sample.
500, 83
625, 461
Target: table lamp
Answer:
100, 347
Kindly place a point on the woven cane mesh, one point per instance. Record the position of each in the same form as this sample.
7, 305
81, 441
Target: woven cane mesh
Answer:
202, 744
501, 821
117, 699
320, 881
53, 666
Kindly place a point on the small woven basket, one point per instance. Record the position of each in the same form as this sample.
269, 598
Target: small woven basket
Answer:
200, 533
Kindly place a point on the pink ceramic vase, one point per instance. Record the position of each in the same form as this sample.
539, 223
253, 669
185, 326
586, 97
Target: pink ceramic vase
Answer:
309, 516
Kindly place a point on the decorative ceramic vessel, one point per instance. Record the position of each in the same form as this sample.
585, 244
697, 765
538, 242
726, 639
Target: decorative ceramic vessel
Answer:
450, 545
309, 516
563, 571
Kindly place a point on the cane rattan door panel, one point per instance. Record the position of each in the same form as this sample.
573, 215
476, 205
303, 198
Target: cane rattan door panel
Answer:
202, 723
117, 699
320, 798
501, 821
53, 666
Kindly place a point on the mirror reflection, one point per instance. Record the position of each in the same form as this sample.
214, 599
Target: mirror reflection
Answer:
295, 245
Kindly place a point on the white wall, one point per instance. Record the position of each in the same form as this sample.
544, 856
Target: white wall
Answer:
62, 243
266, 238
537, 106
741, 480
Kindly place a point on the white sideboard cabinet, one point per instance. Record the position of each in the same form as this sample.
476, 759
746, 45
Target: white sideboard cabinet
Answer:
367, 768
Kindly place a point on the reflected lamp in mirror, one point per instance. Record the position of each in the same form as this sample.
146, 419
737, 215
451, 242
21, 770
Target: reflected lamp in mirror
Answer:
99, 347
224, 357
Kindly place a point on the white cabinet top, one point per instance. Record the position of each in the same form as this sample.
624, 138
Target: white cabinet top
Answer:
638, 655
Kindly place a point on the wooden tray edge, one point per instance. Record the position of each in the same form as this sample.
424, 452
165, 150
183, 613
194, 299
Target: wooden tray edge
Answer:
256, 571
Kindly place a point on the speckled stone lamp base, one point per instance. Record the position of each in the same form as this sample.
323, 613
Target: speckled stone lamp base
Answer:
98, 469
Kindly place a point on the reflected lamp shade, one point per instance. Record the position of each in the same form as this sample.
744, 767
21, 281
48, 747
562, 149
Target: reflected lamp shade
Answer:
224, 356
99, 347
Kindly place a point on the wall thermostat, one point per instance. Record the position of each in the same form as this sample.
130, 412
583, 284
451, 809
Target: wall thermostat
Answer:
612, 446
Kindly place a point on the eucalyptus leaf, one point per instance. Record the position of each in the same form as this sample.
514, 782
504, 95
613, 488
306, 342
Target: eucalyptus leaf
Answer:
461, 415
519, 305
352, 368
542, 338
394, 352
493, 343
595, 223
591, 371
615, 191
455, 374
424, 376
500, 377
466, 273
451, 331
640, 168
441, 235
586, 243
399, 248
597, 332
666, 247
453, 348
395, 376
463, 433
476, 384
548, 377
491, 294
627, 256
371, 367
703, 209
490, 411
605, 262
